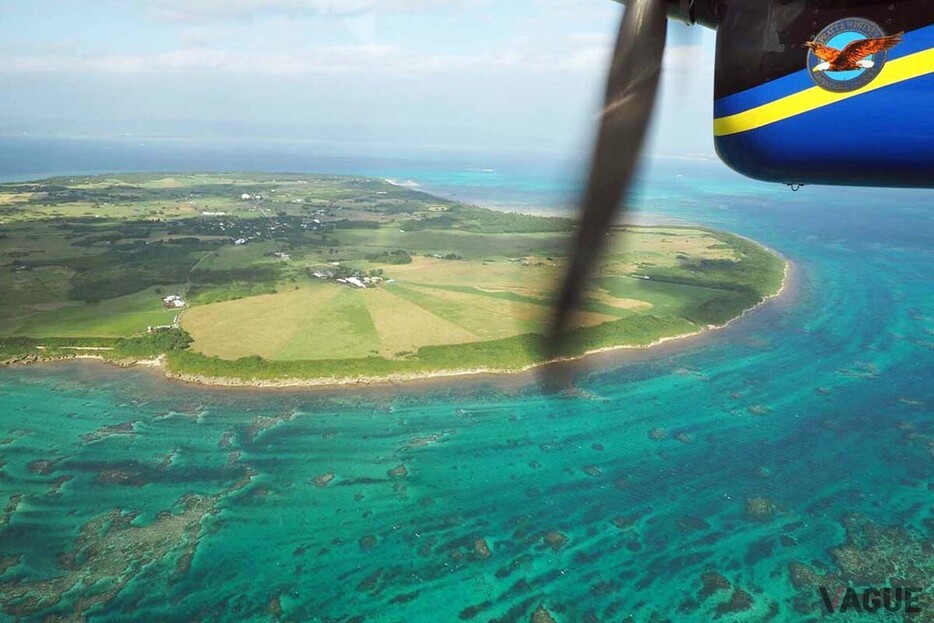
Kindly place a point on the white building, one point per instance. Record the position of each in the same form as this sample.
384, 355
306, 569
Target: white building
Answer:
173, 301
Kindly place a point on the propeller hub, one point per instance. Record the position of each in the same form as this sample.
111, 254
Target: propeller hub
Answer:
704, 12
682, 10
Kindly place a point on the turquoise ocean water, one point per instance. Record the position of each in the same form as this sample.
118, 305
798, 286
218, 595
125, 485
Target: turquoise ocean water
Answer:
681, 485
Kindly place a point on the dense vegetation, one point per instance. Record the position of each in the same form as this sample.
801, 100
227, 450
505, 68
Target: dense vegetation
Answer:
143, 346
396, 257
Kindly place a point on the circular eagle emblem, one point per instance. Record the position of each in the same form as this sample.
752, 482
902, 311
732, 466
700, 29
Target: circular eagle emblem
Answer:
849, 54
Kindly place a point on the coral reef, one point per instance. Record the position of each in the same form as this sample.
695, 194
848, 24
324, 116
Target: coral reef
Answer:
739, 601
323, 480
554, 539
263, 423
541, 615
481, 548
41, 467
126, 428
760, 508
872, 555
658, 434
108, 553
398, 472
10, 508
711, 583
8, 562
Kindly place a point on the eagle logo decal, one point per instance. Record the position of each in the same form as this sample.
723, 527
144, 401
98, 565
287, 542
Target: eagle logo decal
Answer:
849, 54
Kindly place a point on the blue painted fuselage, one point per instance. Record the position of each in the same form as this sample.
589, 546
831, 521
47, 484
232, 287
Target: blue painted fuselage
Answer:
791, 130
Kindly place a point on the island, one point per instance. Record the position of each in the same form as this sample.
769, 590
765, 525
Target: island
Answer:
303, 279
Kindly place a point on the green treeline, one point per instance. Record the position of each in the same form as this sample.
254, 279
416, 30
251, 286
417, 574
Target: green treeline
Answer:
141, 346
512, 353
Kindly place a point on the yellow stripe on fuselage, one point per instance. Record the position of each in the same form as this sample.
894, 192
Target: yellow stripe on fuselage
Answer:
898, 70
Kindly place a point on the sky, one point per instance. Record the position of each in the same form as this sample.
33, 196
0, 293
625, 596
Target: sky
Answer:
523, 76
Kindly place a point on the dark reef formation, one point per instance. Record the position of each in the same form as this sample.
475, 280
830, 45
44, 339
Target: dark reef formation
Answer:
109, 552
760, 508
541, 615
871, 556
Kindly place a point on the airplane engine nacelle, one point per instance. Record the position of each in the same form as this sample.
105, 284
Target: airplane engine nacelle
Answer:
825, 92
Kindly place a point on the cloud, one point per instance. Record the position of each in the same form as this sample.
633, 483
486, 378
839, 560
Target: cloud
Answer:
572, 54
586, 58
332, 60
288, 46
215, 10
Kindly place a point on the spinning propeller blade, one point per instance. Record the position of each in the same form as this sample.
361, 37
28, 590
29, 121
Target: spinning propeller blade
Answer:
630, 97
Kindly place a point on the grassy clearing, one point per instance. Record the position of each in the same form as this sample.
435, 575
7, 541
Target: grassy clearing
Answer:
490, 275
403, 327
229, 257
673, 299
467, 244
116, 317
341, 328
487, 319
235, 290
258, 325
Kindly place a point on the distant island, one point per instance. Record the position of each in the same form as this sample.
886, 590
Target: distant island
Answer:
300, 279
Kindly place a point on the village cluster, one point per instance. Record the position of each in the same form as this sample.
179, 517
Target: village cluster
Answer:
351, 276
244, 230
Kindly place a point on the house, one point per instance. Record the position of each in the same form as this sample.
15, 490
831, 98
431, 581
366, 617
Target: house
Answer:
246, 196
352, 281
173, 301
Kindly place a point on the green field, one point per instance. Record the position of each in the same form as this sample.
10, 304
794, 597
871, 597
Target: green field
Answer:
450, 285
